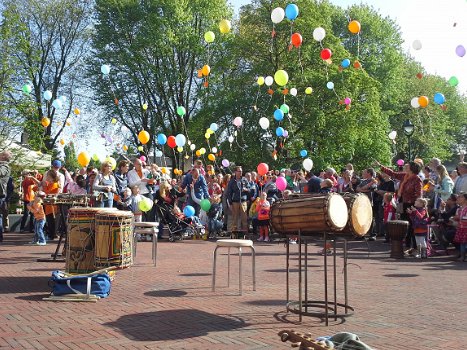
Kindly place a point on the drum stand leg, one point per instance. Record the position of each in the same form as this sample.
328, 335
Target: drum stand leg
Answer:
300, 304
63, 236
345, 278
326, 306
287, 268
306, 276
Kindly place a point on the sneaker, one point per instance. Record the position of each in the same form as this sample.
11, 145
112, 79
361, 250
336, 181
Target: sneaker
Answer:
266, 239
260, 239
372, 238
292, 241
41, 243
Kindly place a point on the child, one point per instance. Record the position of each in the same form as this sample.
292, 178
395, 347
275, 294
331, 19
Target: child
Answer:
134, 200
263, 207
36, 208
419, 217
389, 208
326, 186
461, 232
214, 216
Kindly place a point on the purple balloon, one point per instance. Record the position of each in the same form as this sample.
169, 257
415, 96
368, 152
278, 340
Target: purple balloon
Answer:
285, 133
460, 51
103, 136
225, 163
108, 139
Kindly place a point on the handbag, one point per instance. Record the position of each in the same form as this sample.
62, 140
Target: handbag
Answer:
400, 208
98, 284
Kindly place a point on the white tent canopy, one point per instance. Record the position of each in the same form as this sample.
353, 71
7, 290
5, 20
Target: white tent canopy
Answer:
24, 157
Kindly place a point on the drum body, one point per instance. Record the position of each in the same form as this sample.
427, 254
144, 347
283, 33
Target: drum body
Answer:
360, 214
80, 240
114, 239
310, 214
397, 230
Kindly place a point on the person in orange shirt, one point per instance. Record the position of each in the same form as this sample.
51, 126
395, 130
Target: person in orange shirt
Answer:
29, 185
39, 218
50, 185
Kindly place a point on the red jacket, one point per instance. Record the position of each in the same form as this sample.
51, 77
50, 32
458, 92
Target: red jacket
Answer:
412, 187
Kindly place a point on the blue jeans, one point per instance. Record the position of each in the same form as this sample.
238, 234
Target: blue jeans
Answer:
39, 231
109, 203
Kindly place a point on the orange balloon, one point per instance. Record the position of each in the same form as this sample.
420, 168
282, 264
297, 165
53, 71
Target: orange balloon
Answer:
62, 142
84, 158
206, 84
200, 73
198, 153
357, 65
45, 122
211, 157
125, 148
423, 101
143, 137
206, 70
76, 111
354, 27
270, 91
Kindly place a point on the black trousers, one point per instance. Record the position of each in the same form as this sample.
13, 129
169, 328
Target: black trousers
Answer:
410, 237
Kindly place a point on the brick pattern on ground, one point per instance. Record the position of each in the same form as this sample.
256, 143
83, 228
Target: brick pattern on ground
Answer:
399, 304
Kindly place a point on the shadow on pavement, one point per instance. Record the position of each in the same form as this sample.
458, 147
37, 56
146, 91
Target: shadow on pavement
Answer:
195, 274
401, 275
274, 302
169, 293
27, 284
173, 325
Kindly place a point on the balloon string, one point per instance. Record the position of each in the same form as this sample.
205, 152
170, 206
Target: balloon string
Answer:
273, 35
186, 129
257, 96
358, 46
336, 93
269, 102
209, 145
300, 62
303, 103
175, 158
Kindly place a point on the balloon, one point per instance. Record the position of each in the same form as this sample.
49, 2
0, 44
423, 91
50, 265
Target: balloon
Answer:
308, 90
84, 159
400, 162
453, 81
105, 69
414, 102
112, 161
285, 108
164, 170
264, 123
269, 80
347, 100
460, 51
225, 163
280, 131
293, 91
179, 149
143, 137
262, 169
95, 157
296, 39
171, 141
417, 44
354, 27
238, 122
319, 34
326, 54
224, 26
27, 89
145, 204
303, 153
206, 70
286, 133
205, 204
214, 127
125, 148
180, 140
278, 115
392, 135
439, 98
281, 77
423, 101
57, 104
62, 98
214, 150
161, 139
202, 150
113, 121
192, 146
143, 158
307, 164
76, 111
181, 111
209, 37
189, 211
145, 106
47, 95
260, 81
211, 157
356, 64
281, 183
345, 63
231, 139
45, 122
159, 154
330, 85
209, 131
291, 11
277, 15
62, 142
207, 135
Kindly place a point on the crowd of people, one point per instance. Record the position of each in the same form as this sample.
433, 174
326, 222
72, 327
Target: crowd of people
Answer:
238, 203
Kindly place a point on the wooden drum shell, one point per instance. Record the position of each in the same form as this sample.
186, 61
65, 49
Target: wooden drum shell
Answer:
360, 214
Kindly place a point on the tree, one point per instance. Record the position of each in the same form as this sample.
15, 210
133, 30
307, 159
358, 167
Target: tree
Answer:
71, 159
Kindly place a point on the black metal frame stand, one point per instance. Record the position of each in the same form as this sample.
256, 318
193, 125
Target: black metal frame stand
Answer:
62, 228
301, 306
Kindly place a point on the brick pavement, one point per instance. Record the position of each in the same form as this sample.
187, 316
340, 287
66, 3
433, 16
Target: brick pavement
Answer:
406, 304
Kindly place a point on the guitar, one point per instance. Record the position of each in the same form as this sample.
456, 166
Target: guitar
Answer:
302, 341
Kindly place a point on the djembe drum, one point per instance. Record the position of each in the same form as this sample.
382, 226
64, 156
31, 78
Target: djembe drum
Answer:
360, 214
114, 239
397, 230
310, 214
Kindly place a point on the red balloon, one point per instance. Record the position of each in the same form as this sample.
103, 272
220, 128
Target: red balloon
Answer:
326, 54
171, 142
296, 39
262, 168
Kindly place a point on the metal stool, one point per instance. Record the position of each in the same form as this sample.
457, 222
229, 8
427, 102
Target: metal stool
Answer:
234, 243
147, 228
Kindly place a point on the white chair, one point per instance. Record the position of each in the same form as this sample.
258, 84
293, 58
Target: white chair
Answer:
147, 228
234, 243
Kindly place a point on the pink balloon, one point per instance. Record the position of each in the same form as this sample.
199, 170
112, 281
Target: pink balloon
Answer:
262, 168
347, 100
281, 183
225, 163
400, 162
238, 122
142, 158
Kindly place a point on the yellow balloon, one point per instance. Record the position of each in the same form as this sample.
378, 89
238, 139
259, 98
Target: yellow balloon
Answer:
45, 122
281, 77
308, 90
198, 152
211, 157
84, 158
207, 135
95, 157
202, 150
206, 70
209, 131
164, 170
140, 148
67, 123
354, 27
180, 149
225, 26
114, 121
209, 37
112, 161
143, 137
77, 111
145, 106
62, 142
125, 148
260, 81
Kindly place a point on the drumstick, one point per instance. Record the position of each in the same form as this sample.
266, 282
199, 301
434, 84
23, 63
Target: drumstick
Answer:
110, 268
302, 341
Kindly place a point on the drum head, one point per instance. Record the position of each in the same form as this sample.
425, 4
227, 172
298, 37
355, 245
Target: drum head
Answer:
337, 214
361, 215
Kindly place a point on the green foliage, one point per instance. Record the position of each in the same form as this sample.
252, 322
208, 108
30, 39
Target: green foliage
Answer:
71, 159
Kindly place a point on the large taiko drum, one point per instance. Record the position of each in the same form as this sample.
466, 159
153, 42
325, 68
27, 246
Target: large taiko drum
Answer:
81, 239
114, 239
360, 214
397, 230
310, 214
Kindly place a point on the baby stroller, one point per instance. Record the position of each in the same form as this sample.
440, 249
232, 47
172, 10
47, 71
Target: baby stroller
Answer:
215, 225
179, 226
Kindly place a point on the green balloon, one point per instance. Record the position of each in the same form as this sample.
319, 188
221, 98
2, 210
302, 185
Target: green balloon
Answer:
209, 37
205, 204
27, 89
181, 111
145, 205
453, 81
285, 108
281, 77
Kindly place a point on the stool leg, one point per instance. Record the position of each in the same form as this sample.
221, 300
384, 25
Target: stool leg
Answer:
214, 270
240, 269
154, 246
135, 241
228, 268
253, 263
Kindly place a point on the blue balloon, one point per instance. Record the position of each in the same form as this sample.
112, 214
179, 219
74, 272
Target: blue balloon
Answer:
439, 98
291, 11
189, 211
162, 139
330, 85
280, 131
278, 115
345, 63
180, 140
214, 127
303, 153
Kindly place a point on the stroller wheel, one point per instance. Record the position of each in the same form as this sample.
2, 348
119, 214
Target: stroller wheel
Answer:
171, 238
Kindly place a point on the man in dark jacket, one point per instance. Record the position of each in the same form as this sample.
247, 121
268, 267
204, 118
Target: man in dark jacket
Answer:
238, 191
5, 172
314, 184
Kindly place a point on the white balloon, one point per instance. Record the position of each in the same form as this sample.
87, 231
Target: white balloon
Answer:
277, 15
57, 104
63, 99
392, 135
307, 164
414, 102
105, 69
417, 44
269, 80
264, 123
231, 139
293, 91
192, 146
47, 95
319, 34
214, 150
